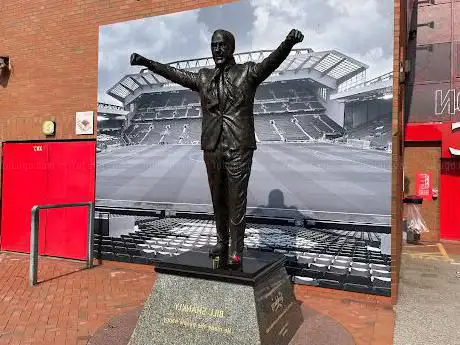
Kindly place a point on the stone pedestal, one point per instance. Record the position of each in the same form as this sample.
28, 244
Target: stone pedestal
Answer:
194, 304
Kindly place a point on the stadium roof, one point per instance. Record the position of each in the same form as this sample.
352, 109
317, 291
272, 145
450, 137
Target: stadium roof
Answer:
379, 87
110, 109
328, 68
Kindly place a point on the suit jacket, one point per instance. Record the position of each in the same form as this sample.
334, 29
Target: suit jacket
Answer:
227, 115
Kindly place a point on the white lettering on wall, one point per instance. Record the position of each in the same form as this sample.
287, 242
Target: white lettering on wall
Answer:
446, 101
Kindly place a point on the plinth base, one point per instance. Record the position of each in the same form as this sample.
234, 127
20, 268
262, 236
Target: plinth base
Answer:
193, 304
317, 329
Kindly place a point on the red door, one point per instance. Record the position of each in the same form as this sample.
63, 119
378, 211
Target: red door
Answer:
24, 185
71, 177
47, 173
450, 199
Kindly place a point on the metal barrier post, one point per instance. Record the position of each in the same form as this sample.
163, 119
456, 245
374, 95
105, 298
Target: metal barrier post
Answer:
89, 262
33, 264
35, 223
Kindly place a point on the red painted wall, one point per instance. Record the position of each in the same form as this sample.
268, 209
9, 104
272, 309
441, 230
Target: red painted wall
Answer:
450, 199
422, 132
434, 132
47, 173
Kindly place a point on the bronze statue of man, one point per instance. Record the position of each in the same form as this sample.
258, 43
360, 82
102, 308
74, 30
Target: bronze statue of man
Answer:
228, 138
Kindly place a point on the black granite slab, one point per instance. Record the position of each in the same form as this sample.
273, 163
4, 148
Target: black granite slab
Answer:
198, 264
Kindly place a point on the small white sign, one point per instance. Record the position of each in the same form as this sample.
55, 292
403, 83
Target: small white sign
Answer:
84, 123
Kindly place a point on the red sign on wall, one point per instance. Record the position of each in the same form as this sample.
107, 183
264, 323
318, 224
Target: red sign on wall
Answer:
424, 183
451, 139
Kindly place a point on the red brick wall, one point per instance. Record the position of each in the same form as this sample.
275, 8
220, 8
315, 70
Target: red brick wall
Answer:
53, 46
399, 44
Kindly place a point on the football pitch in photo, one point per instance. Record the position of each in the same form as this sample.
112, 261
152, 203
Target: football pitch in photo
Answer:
321, 180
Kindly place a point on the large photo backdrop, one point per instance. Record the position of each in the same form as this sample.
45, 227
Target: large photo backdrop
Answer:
322, 123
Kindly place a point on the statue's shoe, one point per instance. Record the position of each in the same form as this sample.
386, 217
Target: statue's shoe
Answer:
218, 249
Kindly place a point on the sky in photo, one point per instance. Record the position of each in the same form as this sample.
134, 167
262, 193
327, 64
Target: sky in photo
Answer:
360, 29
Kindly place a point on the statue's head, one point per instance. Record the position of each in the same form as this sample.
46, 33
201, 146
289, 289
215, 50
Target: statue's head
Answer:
222, 47
276, 199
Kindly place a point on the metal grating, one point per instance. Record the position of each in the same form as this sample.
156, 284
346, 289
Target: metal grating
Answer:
314, 60
139, 79
120, 91
344, 69
130, 83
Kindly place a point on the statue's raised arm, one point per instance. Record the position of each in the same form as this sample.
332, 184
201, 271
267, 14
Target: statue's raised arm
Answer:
186, 79
262, 70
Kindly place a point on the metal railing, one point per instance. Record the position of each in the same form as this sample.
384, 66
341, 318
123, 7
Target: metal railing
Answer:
383, 77
33, 268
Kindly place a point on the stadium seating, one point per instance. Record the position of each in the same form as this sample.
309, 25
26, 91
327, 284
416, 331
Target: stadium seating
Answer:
154, 134
147, 116
180, 112
107, 141
315, 105
138, 132
258, 108
193, 112
335, 259
264, 129
297, 106
286, 127
264, 93
278, 107
278, 102
172, 131
146, 101
307, 122
377, 131
175, 99
166, 114
331, 123
284, 92
321, 125
190, 98
110, 124
192, 131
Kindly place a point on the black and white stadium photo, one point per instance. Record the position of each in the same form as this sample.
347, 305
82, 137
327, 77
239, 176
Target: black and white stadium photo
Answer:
318, 129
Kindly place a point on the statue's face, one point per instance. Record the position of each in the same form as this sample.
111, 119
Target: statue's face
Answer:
221, 49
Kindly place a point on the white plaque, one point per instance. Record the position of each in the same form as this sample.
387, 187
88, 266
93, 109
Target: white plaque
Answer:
84, 123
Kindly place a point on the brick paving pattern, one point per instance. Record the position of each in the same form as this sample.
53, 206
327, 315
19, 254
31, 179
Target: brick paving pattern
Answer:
70, 303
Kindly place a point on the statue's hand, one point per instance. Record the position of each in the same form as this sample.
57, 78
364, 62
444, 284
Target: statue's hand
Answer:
294, 37
138, 60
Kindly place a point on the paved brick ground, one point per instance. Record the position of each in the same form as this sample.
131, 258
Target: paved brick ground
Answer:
71, 303
369, 319
428, 304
